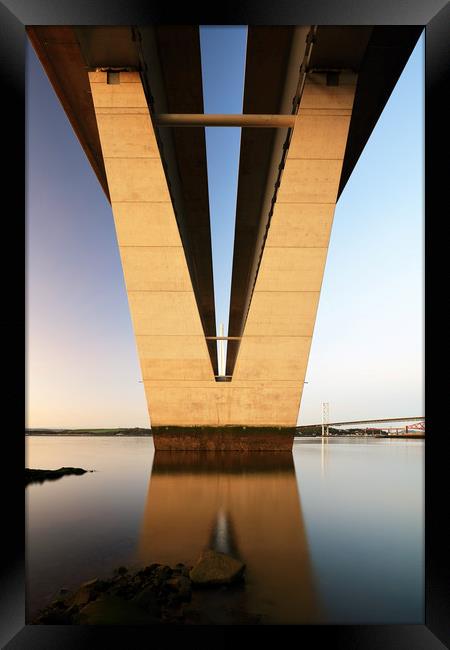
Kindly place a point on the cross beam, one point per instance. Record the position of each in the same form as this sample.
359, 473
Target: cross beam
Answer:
223, 338
248, 120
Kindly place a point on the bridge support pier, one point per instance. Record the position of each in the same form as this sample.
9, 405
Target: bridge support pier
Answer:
228, 438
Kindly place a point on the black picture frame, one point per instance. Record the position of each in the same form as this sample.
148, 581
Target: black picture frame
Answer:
434, 15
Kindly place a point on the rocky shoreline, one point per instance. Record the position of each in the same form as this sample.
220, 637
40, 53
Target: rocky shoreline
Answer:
155, 594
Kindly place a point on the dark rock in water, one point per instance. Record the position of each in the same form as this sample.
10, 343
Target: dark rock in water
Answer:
103, 585
148, 571
72, 611
90, 583
121, 571
127, 591
147, 599
182, 569
154, 594
181, 585
41, 475
215, 568
58, 604
162, 573
81, 598
85, 593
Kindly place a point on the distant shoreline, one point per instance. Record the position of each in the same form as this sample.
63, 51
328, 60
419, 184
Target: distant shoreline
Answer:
89, 432
301, 432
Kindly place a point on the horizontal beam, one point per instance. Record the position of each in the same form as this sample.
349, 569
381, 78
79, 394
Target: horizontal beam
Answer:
223, 338
201, 119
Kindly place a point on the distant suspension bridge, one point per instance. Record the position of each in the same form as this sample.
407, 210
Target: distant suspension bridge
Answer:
417, 425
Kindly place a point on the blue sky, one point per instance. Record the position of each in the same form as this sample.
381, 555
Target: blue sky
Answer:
367, 352
223, 92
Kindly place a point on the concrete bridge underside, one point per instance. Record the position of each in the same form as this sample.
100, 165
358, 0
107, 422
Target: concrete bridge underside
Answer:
333, 82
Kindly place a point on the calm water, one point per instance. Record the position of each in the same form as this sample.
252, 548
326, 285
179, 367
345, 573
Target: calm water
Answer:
333, 533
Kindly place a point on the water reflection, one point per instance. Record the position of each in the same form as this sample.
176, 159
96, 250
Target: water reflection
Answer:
244, 504
360, 522
324, 455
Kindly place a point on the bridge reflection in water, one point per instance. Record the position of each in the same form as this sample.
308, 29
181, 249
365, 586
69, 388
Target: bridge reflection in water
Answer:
243, 504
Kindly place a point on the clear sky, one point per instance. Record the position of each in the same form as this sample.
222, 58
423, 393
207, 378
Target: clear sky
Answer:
367, 351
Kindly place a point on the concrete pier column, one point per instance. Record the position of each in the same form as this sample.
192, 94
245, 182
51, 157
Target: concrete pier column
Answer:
280, 323
169, 336
179, 381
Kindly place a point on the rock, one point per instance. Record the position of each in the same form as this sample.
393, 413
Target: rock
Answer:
125, 590
58, 604
89, 583
41, 475
214, 568
82, 596
181, 586
182, 569
121, 571
147, 599
155, 594
72, 611
147, 571
88, 591
162, 573
102, 585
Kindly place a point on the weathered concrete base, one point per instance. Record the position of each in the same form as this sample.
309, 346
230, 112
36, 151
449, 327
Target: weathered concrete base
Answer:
223, 438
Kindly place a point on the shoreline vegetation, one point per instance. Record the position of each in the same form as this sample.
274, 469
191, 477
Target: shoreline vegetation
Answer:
306, 431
